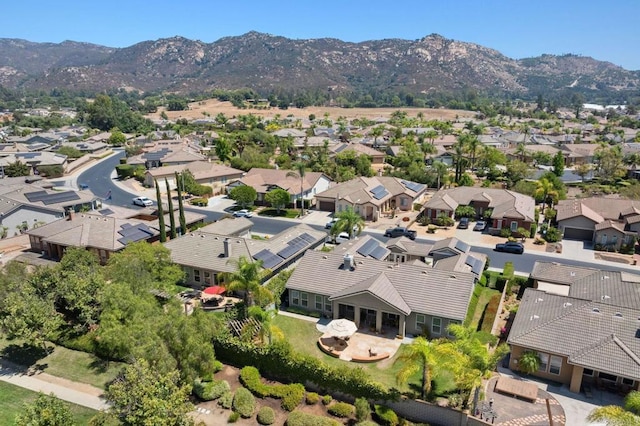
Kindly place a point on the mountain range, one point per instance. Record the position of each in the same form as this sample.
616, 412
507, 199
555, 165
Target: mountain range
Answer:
268, 63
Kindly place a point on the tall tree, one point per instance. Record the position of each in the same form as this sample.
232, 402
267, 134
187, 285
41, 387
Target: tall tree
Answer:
46, 410
163, 229
17, 169
183, 221
172, 217
248, 279
459, 158
278, 198
244, 195
299, 173
223, 150
546, 191
614, 415
348, 221
583, 170
558, 164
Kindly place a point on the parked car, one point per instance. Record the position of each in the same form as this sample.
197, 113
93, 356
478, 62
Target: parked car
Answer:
330, 224
341, 238
510, 247
480, 225
400, 231
243, 213
464, 223
142, 202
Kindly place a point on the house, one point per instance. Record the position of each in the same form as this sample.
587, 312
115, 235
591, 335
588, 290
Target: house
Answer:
404, 298
33, 159
24, 206
608, 222
205, 173
377, 157
579, 153
509, 209
169, 153
372, 197
206, 254
451, 254
101, 232
86, 147
265, 180
579, 341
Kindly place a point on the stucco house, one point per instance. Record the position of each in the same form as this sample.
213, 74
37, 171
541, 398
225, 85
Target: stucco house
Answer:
215, 175
608, 222
403, 298
509, 209
265, 180
377, 157
372, 197
579, 341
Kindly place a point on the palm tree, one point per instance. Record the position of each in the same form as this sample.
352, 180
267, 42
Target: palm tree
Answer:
521, 151
431, 135
268, 331
469, 342
459, 158
529, 362
348, 221
546, 191
472, 145
614, 415
300, 172
441, 170
248, 279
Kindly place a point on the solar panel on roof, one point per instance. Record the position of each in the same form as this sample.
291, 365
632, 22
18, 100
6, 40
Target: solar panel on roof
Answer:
379, 253
262, 255
380, 195
367, 247
105, 212
288, 251
378, 188
60, 198
28, 155
35, 196
462, 246
308, 238
271, 261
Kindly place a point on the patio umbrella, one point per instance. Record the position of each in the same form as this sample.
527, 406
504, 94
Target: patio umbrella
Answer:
214, 290
341, 328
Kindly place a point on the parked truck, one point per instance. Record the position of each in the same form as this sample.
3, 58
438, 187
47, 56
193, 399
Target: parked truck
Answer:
400, 231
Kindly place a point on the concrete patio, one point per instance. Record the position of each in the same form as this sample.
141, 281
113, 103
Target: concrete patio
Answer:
363, 346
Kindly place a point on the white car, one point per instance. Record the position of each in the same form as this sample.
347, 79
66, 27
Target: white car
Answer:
342, 237
243, 213
330, 224
142, 202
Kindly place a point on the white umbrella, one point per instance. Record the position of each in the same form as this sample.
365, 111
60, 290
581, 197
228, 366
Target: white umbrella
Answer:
341, 328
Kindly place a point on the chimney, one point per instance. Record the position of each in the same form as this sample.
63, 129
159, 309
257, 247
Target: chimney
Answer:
70, 214
227, 247
348, 262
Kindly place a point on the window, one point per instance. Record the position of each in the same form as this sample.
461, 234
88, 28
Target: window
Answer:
436, 325
609, 377
319, 302
603, 239
614, 239
514, 226
295, 297
304, 299
627, 382
196, 275
403, 201
207, 277
587, 372
327, 304
421, 321
450, 323
555, 365
544, 362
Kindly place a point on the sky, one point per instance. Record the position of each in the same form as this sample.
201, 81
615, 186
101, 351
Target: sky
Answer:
608, 31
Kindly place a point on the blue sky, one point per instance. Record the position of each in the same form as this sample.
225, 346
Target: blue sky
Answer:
517, 28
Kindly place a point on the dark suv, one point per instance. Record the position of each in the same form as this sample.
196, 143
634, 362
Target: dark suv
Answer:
464, 223
510, 247
400, 231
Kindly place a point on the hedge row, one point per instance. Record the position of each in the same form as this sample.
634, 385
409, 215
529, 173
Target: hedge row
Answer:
291, 395
208, 391
341, 409
298, 418
283, 363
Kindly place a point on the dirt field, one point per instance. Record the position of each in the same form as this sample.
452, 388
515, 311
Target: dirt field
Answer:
214, 107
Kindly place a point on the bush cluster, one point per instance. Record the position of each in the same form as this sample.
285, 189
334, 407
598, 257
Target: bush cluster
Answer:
326, 400
298, 418
312, 398
266, 416
386, 416
283, 363
341, 409
208, 391
233, 417
363, 409
226, 400
200, 202
291, 395
244, 403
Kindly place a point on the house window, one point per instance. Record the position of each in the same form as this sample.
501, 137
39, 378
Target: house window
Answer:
403, 201
555, 365
451, 322
421, 321
544, 362
628, 382
295, 297
319, 302
436, 325
304, 299
587, 372
608, 377
603, 239
327, 304
614, 239
514, 226
196, 275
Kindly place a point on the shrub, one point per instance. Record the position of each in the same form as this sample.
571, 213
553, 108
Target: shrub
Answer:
534, 229
363, 409
505, 232
244, 403
226, 400
233, 417
312, 398
200, 202
250, 378
266, 416
326, 400
208, 391
552, 235
340, 409
291, 395
386, 416
367, 423
298, 418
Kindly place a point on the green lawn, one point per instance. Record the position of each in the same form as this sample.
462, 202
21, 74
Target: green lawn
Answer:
288, 213
12, 399
483, 299
62, 362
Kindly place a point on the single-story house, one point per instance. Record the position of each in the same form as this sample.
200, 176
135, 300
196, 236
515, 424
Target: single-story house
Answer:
579, 341
372, 197
509, 209
403, 298
265, 180
33, 159
608, 222
377, 157
206, 256
86, 147
205, 173
579, 153
172, 153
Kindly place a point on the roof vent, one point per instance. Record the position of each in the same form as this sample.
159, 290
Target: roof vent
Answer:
566, 305
617, 315
605, 297
605, 277
573, 274
595, 310
325, 257
539, 299
201, 235
453, 277
534, 317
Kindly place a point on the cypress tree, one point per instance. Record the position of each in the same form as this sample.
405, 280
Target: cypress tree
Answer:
183, 221
163, 230
172, 218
